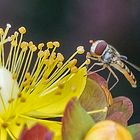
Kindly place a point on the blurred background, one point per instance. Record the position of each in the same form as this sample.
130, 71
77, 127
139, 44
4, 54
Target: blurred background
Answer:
75, 22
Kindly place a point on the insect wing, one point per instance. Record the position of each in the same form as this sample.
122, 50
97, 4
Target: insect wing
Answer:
131, 64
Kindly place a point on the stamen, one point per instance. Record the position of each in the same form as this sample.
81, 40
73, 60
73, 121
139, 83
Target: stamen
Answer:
22, 31
2, 100
8, 26
98, 111
87, 62
24, 68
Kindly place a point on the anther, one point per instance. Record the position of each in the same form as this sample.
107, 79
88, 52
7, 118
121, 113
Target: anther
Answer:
14, 76
14, 43
4, 124
60, 57
58, 92
19, 95
24, 44
8, 38
40, 54
74, 69
22, 30
46, 61
61, 85
27, 75
56, 44
8, 25
105, 109
10, 100
72, 63
87, 62
80, 50
88, 55
46, 53
16, 34
33, 48
59, 64
13, 37
40, 46
31, 43
18, 124
53, 55
22, 99
73, 88
50, 45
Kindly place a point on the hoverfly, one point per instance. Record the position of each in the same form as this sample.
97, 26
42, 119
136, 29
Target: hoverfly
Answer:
108, 57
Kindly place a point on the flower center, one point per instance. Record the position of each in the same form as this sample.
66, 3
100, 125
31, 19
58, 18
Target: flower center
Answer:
8, 88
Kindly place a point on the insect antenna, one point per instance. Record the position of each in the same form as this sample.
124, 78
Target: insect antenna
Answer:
123, 57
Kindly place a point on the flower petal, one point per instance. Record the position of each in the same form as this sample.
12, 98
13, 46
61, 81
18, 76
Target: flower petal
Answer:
118, 117
9, 87
121, 104
104, 85
53, 104
38, 132
94, 96
53, 126
3, 134
76, 122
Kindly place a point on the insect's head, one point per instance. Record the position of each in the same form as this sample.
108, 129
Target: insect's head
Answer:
98, 47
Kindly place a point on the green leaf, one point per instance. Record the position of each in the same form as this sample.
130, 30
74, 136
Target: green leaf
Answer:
96, 96
76, 122
123, 107
135, 131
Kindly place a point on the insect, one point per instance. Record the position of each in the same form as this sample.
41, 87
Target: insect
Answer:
108, 57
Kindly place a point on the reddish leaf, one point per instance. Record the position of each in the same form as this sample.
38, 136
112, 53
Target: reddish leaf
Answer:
123, 105
104, 85
118, 117
37, 132
96, 96
76, 122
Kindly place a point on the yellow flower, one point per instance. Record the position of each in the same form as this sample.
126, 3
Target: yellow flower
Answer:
32, 89
108, 130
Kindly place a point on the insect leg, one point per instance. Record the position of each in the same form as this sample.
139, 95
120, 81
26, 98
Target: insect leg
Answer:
115, 76
108, 77
99, 64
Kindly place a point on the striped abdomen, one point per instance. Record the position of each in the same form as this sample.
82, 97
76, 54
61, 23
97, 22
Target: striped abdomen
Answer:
120, 66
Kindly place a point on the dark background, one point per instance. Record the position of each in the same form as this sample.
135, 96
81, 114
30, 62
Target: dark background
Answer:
75, 22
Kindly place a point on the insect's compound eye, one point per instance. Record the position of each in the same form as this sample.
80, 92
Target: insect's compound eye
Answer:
100, 47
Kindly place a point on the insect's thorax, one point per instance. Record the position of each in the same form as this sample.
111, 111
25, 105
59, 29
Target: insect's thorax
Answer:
109, 56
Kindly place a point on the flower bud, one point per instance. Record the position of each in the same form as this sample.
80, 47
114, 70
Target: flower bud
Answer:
108, 130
